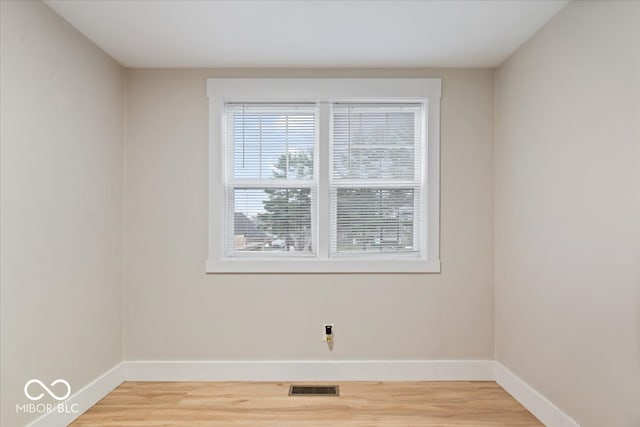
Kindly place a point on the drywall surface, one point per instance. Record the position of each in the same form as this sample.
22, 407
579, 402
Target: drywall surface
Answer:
61, 239
174, 311
568, 212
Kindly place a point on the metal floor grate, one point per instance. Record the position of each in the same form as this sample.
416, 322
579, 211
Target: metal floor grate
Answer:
314, 390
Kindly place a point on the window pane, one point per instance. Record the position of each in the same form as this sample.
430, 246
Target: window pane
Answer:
272, 219
272, 142
375, 141
374, 220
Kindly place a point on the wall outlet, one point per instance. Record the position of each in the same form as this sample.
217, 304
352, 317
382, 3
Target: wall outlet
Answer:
328, 332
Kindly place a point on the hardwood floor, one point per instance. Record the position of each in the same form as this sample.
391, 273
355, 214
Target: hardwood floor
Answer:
262, 404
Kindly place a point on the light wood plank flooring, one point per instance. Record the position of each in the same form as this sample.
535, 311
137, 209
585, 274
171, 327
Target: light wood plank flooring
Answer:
264, 404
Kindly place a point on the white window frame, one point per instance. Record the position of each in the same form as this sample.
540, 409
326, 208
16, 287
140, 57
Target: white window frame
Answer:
324, 92
234, 183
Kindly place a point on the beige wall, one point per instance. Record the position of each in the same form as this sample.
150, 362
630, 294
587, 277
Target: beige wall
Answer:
567, 235
568, 213
61, 237
173, 311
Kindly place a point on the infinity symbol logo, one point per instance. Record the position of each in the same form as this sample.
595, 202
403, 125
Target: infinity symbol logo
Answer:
51, 393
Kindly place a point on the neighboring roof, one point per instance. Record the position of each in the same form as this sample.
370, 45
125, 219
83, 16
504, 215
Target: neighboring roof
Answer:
244, 226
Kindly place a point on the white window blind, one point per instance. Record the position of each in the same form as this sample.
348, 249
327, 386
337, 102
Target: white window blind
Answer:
270, 183
377, 179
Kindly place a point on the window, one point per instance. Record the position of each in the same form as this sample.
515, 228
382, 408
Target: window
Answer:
324, 175
376, 178
270, 179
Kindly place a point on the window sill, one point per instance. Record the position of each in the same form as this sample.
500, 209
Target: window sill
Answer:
334, 266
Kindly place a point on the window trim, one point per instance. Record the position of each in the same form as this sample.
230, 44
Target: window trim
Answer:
324, 92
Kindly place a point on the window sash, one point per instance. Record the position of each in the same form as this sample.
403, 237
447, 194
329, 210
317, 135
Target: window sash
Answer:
364, 134
247, 135
231, 245
377, 232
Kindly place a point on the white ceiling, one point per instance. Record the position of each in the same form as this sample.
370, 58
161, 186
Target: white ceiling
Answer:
308, 33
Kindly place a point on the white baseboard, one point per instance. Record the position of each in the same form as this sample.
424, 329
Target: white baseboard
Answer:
549, 414
348, 370
84, 398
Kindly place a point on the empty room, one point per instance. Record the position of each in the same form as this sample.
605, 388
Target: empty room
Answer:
289, 213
